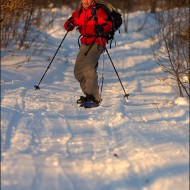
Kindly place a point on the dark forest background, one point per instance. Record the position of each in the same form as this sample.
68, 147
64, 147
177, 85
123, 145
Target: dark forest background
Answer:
132, 5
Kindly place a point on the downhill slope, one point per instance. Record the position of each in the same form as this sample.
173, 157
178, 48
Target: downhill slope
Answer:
49, 143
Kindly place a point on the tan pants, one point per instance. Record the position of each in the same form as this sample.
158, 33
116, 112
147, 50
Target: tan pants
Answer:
85, 69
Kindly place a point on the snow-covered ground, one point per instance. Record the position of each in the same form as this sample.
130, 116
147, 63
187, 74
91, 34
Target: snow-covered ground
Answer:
49, 143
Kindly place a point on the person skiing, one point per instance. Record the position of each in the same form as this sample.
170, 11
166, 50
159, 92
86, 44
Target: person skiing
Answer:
93, 41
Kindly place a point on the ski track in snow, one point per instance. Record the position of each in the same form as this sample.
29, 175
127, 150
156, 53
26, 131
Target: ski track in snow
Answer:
48, 142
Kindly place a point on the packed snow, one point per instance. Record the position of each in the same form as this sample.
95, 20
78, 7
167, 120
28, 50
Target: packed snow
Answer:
50, 143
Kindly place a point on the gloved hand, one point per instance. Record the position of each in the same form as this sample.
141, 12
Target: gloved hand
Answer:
69, 25
98, 30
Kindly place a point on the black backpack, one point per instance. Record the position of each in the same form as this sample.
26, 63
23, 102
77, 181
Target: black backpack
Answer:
114, 16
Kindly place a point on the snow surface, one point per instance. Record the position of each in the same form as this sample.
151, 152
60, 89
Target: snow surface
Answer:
49, 143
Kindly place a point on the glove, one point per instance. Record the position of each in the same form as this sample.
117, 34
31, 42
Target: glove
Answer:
69, 24
98, 30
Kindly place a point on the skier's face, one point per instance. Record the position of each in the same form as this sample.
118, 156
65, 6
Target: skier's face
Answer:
87, 3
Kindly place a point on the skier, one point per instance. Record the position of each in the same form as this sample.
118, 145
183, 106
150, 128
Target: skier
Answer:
92, 46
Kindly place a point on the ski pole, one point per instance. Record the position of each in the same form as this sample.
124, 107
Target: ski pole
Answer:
37, 86
126, 95
91, 46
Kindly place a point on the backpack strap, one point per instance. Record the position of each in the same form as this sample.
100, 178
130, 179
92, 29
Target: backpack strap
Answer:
80, 11
104, 7
110, 36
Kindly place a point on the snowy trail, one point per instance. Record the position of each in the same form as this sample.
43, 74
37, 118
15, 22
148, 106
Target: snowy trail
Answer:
48, 142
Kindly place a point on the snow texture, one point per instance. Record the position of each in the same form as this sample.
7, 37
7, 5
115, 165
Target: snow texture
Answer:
49, 143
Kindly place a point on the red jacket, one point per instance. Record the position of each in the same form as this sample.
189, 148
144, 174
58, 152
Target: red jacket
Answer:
84, 19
